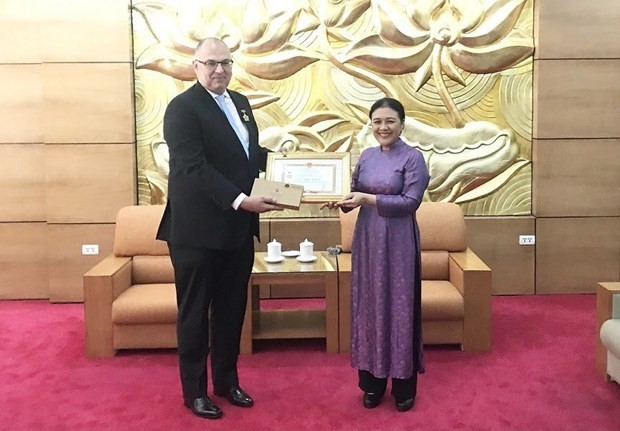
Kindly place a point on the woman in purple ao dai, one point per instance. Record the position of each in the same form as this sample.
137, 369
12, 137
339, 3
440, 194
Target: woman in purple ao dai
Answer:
388, 185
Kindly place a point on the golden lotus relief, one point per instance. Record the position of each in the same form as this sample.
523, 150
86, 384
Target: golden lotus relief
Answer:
312, 68
458, 159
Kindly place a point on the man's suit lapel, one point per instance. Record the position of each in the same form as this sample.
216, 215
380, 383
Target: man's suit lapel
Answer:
205, 97
245, 114
201, 94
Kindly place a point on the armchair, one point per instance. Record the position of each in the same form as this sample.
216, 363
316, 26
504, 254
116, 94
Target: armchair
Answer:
456, 284
129, 297
608, 330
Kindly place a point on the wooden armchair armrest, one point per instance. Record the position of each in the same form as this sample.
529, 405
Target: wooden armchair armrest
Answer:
605, 292
102, 284
472, 277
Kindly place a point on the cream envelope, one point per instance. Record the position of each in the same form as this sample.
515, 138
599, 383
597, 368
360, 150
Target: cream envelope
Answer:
286, 195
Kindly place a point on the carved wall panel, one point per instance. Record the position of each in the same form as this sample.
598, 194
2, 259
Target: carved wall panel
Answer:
312, 68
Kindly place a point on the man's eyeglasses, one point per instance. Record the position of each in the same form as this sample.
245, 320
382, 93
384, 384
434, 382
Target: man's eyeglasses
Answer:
212, 64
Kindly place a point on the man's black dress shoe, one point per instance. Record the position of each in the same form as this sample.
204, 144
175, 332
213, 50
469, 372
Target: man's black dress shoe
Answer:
203, 407
403, 406
371, 400
236, 396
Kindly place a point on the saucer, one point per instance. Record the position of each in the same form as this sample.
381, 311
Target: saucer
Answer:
306, 259
290, 253
274, 260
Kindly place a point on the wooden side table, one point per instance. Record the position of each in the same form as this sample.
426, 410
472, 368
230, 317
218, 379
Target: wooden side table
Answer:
298, 323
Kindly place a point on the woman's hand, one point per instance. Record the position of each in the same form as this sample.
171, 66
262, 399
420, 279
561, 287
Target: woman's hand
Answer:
330, 205
352, 200
355, 199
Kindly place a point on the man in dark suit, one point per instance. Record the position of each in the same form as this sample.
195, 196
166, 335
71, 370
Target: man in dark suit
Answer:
210, 223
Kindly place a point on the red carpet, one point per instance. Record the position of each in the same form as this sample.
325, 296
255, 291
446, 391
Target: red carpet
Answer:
539, 376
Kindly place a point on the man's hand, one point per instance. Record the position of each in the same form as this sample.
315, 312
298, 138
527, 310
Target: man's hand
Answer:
259, 204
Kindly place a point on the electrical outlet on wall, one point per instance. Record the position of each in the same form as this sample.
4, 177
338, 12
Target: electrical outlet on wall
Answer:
527, 239
90, 249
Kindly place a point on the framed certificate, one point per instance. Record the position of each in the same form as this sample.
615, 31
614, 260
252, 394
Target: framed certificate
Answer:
325, 177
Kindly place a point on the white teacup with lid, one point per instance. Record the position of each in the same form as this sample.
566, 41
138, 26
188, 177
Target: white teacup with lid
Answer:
274, 251
306, 251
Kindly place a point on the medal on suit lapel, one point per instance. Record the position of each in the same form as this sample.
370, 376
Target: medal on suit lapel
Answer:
245, 116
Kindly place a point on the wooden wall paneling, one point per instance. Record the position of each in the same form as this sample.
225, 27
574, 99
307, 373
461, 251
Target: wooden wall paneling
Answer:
496, 241
89, 183
576, 178
21, 109
576, 99
66, 262
88, 103
23, 259
574, 254
19, 32
577, 29
86, 31
22, 188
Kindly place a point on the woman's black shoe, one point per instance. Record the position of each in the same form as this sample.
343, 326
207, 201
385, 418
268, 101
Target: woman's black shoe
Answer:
403, 406
371, 400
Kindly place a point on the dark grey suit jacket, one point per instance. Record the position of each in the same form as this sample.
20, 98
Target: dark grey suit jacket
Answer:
208, 170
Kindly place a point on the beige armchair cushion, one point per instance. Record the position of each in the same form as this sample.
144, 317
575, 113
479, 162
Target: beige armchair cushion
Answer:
145, 303
152, 269
347, 225
448, 235
135, 231
435, 265
441, 301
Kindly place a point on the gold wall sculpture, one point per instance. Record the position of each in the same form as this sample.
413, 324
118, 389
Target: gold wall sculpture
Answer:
311, 69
